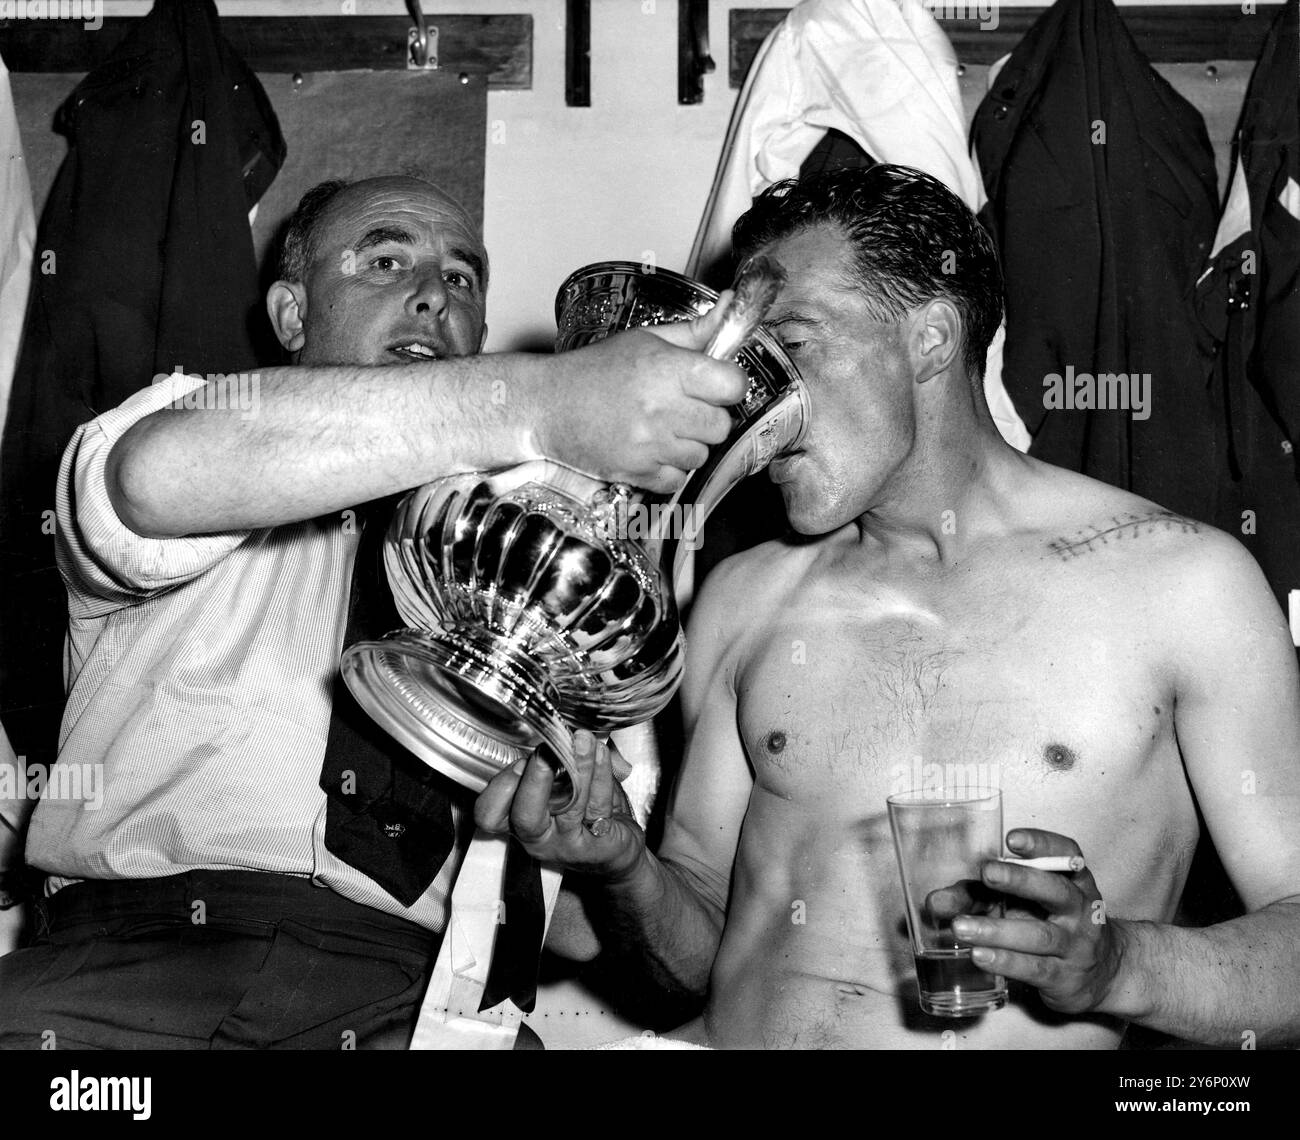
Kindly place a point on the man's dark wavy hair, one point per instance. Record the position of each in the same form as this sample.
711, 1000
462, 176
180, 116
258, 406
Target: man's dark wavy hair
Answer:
300, 243
911, 239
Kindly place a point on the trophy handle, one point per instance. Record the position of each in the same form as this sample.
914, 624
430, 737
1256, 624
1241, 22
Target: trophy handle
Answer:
758, 281
781, 427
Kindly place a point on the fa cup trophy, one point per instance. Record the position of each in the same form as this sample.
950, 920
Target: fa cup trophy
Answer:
540, 600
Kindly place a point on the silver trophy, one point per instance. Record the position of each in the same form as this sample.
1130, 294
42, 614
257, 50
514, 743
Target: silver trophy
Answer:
540, 600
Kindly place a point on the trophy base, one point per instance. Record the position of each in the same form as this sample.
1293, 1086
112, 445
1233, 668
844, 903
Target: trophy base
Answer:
464, 700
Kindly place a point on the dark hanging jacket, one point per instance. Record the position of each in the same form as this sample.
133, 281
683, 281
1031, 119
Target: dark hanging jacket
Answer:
1249, 304
144, 262
1102, 200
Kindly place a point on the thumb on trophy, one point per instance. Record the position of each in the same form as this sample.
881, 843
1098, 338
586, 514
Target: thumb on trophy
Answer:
695, 334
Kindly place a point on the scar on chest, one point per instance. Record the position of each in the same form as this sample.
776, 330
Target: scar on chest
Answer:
775, 742
1059, 758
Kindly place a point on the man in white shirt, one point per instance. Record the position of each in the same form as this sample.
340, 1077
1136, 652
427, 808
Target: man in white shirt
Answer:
207, 545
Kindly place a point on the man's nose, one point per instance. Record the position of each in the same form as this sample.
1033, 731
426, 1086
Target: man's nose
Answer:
428, 294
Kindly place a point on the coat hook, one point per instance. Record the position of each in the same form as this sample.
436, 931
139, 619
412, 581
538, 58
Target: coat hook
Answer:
577, 53
693, 59
421, 41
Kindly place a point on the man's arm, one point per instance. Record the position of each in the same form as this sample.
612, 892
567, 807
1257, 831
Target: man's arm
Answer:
637, 407
659, 919
1237, 716
634, 752
1237, 719
670, 920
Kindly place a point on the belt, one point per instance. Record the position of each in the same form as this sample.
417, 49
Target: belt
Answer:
255, 902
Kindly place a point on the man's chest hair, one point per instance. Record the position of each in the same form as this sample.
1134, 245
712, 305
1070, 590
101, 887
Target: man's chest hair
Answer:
872, 697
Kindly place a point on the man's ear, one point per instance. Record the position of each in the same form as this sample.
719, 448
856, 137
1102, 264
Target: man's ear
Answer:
286, 305
935, 338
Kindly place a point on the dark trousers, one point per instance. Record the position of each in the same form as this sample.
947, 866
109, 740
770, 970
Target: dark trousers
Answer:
213, 960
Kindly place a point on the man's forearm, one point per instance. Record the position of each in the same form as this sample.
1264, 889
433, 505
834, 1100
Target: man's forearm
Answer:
321, 439
659, 922
1220, 985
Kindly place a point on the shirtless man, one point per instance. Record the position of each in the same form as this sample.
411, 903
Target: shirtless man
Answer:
953, 602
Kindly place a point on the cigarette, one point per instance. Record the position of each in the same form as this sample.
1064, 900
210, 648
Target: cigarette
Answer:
1048, 862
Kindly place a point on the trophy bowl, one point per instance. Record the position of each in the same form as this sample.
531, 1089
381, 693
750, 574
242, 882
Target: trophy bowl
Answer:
533, 607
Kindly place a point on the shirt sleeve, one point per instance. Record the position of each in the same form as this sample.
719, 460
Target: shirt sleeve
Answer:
104, 564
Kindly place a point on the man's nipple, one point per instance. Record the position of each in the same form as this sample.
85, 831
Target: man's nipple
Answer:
1059, 758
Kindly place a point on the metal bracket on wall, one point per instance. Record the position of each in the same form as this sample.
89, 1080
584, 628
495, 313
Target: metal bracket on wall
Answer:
693, 59
498, 48
577, 53
421, 41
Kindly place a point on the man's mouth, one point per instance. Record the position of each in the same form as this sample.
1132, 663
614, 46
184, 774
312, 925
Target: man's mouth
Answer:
416, 350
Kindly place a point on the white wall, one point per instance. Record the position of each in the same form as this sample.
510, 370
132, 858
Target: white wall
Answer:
626, 177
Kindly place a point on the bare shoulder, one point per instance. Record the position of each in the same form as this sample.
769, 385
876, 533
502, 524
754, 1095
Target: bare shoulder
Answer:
1091, 521
742, 592
1095, 519
1192, 573
759, 568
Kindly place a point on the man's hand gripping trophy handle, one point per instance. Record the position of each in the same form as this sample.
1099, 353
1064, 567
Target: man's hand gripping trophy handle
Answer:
644, 407
597, 833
